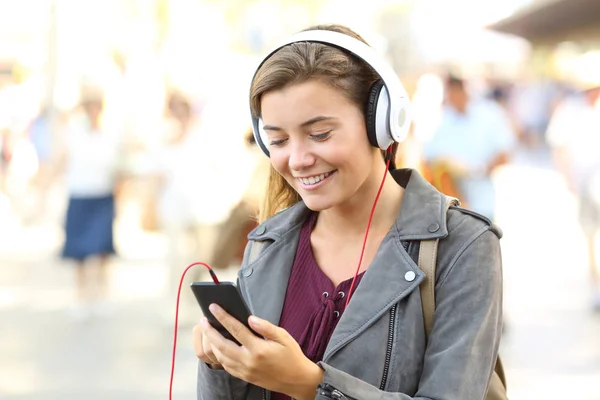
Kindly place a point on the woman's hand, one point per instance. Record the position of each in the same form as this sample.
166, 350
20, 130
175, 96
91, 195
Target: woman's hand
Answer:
202, 347
275, 363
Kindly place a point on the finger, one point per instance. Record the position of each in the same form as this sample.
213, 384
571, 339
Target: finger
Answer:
267, 329
232, 365
197, 341
217, 341
226, 361
208, 352
202, 347
237, 329
198, 336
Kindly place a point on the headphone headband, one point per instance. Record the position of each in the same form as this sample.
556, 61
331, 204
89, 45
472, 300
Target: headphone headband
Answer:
397, 116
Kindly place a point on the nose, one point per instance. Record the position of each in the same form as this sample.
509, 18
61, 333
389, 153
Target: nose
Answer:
300, 156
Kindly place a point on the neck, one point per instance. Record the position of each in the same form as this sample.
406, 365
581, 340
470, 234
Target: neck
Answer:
351, 218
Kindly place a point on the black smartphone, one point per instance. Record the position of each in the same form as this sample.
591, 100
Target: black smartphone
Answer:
226, 295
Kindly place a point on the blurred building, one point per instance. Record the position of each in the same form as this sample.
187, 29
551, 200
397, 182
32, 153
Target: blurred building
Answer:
546, 22
561, 32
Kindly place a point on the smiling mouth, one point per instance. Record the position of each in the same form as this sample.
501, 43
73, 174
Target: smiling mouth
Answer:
313, 180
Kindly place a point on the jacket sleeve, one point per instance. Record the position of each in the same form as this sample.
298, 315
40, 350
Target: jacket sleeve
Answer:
463, 345
219, 385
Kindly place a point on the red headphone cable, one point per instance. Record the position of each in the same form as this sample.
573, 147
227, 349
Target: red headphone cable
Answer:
388, 159
216, 281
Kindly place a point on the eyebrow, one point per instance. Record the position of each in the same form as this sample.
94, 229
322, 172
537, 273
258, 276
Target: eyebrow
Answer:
311, 121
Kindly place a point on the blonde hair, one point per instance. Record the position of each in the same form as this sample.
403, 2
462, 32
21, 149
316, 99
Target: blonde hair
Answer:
297, 63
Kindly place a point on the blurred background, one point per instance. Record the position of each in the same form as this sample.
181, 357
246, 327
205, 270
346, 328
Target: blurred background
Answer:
163, 85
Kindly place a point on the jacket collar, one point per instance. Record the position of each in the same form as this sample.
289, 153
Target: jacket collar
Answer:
422, 214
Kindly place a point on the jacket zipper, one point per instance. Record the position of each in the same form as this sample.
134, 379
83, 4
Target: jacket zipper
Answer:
390, 345
390, 342
264, 394
331, 393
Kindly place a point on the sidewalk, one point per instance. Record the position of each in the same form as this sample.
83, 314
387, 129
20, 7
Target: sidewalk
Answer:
48, 354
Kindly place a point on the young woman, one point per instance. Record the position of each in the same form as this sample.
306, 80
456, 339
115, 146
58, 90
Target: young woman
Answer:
91, 161
314, 102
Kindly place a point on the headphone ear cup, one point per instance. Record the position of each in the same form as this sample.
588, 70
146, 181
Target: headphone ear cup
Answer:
402, 120
383, 131
371, 112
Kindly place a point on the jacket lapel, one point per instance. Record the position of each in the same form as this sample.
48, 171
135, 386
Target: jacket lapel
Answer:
391, 277
264, 282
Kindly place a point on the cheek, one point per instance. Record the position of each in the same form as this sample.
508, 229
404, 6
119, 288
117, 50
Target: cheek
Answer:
357, 156
279, 161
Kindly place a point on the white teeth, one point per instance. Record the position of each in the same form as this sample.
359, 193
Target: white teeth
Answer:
314, 179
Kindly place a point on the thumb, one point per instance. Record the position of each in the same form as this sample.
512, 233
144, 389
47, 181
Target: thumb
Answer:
265, 328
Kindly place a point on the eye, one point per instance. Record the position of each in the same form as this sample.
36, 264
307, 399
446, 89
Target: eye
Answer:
320, 136
277, 142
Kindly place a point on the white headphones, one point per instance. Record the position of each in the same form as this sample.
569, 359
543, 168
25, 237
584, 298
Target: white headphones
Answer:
388, 110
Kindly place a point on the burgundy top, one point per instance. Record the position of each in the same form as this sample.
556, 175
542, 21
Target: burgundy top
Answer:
312, 306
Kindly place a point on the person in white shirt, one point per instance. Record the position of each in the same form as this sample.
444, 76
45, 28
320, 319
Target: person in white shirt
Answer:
188, 200
200, 183
473, 138
574, 135
91, 160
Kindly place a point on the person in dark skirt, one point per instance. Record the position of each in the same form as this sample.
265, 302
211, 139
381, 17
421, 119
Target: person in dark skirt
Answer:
91, 158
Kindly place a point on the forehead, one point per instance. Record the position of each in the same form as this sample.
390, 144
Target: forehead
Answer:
302, 101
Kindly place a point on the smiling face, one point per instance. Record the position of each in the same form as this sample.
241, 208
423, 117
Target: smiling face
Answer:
318, 143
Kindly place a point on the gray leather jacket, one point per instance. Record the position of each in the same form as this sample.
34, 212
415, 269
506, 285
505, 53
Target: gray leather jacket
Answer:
378, 349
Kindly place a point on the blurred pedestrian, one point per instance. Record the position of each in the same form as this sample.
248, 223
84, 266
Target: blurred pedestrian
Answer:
474, 137
232, 237
532, 102
40, 134
181, 175
4, 158
91, 161
574, 134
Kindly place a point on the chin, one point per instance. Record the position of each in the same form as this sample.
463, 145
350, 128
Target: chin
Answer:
318, 204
